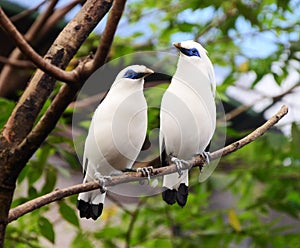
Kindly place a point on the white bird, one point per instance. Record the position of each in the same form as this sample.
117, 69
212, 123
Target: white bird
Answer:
187, 116
115, 137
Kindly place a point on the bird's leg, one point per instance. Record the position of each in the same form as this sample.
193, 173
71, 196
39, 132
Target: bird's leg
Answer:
207, 157
146, 172
101, 180
179, 162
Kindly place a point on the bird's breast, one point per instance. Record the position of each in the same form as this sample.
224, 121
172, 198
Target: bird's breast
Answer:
118, 132
188, 118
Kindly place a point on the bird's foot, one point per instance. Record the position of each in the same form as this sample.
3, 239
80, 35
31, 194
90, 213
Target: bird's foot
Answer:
146, 172
207, 156
101, 180
179, 162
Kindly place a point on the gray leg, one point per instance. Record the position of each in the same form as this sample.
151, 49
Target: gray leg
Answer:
146, 171
206, 155
179, 162
101, 180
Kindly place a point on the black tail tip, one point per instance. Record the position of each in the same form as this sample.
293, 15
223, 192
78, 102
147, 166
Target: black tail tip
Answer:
88, 210
180, 196
169, 196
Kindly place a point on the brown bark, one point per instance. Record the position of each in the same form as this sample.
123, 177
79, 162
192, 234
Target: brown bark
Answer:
15, 147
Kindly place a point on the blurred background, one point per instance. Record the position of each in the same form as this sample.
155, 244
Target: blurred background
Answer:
251, 200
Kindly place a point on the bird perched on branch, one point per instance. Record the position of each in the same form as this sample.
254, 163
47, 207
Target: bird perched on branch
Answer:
115, 137
187, 116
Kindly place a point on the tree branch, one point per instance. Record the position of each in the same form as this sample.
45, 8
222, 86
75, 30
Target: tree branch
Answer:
17, 63
40, 21
60, 53
58, 15
41, 27
59, 194
107, 38
32, 55
67, 93
26, 12
241, 109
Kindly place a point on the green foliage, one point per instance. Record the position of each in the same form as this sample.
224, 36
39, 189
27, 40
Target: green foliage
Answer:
68, 214
38, 178
262, 179
46, 229
6, 107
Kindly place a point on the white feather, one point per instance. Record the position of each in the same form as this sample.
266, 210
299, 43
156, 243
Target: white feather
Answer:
188, 112
117, 131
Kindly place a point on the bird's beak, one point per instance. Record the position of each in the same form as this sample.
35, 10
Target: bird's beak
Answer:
148, 72
177, 45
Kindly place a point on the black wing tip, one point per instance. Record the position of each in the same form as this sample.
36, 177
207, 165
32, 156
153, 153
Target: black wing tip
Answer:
88, 210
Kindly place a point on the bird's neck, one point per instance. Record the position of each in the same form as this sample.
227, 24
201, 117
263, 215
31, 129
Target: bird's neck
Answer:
128, 87
188, 70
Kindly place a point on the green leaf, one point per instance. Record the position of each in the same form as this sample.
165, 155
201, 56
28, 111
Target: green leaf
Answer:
295, 139
6, 108
70, 158
108, 233
68, 213
49, 182
81, 241
32, 192
46, 229
23, 174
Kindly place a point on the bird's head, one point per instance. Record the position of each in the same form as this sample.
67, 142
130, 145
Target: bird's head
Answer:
194, 56
133, 73
191, 49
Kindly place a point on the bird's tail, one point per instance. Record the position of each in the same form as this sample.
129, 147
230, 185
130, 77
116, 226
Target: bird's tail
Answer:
176, 189
90, 204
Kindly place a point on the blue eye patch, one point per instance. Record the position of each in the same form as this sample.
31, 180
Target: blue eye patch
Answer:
133, 75
190, 52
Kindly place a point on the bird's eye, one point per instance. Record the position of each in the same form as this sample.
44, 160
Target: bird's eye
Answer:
129, 74
194, 52
133, 75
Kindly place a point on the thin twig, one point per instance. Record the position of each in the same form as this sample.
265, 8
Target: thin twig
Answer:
241, 109
55, 110
59, 194
35, 95
17, 63
26, 12
9, 82
32, 55
40, 21
58, 15
107, 37
252, 136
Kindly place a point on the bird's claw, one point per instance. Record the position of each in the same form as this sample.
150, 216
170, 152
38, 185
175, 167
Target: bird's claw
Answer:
207, 156
101, 180
146, 172
178, 162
